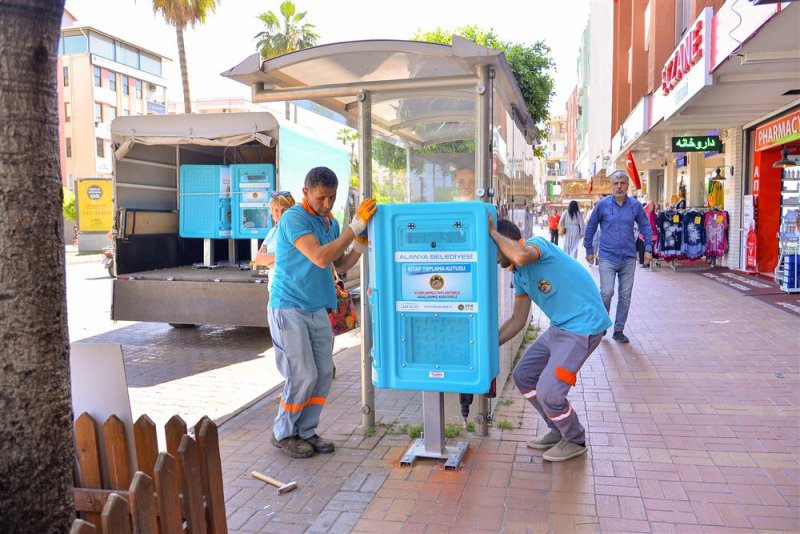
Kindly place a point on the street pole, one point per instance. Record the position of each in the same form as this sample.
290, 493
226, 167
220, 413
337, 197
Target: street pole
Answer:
483, 169
365, 184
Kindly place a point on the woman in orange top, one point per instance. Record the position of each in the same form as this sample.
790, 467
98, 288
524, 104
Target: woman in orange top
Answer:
553, 221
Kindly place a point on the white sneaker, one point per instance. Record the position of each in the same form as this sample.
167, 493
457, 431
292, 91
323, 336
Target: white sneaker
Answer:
544, 442
563, 451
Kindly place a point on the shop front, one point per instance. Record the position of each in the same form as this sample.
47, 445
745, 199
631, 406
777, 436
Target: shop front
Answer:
774, 184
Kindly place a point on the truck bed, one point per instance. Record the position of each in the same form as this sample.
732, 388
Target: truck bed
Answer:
187, 273
183, 295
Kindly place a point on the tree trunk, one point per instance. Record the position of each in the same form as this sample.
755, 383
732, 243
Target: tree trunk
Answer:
36, 449
187, 100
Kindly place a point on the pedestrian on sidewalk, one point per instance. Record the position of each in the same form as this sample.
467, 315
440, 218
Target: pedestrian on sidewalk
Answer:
615, 215
650, 211
552, 224
573, 227
308, 246
565, 292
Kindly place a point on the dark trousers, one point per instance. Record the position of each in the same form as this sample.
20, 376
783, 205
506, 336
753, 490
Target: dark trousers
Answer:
554, 237
640, 250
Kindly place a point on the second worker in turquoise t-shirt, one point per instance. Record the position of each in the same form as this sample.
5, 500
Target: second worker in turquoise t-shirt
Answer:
563, 289
308, 246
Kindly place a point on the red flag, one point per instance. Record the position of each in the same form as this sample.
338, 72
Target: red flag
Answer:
632, 172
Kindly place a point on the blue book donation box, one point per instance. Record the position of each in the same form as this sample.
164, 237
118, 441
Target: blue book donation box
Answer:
253, 184
205, 201
433, 293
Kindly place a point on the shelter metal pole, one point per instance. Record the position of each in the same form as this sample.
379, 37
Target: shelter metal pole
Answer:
365, 184
483, 169
409, 158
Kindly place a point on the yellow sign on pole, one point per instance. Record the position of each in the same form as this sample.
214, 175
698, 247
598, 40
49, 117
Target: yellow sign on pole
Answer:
94, 205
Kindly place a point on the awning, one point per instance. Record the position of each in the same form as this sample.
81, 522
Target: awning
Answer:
422, 93
206, 129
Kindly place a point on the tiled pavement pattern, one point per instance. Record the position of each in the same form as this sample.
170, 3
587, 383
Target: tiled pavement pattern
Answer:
693, 427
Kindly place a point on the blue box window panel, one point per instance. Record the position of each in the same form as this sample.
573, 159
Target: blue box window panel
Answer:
205, 201
253, 184
433, 292
442, 341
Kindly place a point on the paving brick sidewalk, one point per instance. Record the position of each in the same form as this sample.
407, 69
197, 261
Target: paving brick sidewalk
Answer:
693, 427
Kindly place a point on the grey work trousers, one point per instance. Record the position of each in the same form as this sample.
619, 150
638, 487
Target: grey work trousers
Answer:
547, 370
303, 344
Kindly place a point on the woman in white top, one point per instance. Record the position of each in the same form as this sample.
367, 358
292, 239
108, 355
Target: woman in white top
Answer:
572, 222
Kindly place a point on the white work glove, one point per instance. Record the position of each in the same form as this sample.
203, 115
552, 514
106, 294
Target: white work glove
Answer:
364, 213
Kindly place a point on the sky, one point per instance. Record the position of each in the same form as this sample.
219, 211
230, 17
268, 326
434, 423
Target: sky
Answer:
226, 38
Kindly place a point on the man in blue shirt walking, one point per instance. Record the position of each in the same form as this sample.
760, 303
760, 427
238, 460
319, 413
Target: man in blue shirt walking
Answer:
615, 215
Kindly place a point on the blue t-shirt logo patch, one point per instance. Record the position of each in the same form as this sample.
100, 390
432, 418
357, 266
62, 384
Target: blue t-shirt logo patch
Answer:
544, 286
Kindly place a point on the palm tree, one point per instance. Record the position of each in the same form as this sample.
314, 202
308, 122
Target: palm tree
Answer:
287, 36
182, 13
293, 34
36, 450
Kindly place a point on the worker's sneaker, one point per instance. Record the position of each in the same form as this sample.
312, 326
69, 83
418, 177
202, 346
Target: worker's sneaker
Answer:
293, 446
320, 445
544, 442
620, 337
563, 451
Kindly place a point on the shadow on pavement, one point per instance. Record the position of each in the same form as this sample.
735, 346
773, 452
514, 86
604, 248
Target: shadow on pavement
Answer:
157, 353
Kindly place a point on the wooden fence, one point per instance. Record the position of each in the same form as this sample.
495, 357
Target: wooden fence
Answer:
178, 491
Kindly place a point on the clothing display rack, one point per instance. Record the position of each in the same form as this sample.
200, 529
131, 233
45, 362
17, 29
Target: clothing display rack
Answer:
691, 238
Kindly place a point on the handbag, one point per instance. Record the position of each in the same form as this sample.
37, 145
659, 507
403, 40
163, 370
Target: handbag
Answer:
343, 318
562, 229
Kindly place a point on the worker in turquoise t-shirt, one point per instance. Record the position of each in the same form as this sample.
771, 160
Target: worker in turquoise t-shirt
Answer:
308, 246
566, 293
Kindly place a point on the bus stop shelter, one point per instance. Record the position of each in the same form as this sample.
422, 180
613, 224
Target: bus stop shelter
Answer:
415, 95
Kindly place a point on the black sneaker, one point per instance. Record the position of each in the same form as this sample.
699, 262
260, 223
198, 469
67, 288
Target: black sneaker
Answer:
620, 337
320, 445
293, 446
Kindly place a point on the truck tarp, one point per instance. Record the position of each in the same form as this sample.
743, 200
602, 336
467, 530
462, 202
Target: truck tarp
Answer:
228, 129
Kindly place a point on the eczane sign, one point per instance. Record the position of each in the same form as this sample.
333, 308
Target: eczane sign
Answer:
687, 70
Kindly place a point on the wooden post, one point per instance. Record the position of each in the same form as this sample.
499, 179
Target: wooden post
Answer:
174, 431
119, 469
87, 448
144, 508
189, 463
208, 443
144, 435
115, 515
168, 488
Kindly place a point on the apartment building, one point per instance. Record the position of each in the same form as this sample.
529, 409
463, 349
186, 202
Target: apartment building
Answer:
100, 77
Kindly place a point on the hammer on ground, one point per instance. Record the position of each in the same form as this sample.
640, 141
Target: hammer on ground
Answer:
282, 488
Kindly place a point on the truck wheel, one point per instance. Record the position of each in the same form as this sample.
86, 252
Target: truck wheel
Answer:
181, 325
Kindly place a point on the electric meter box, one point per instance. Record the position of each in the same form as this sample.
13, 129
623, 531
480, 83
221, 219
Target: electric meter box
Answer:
205, 201
433, 296
253, 184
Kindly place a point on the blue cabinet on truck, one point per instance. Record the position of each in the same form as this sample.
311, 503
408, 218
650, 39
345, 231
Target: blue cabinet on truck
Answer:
433, 292
253, 184
205, 201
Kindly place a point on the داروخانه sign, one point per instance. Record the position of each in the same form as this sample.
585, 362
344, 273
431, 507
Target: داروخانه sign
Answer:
696, 143
779, 131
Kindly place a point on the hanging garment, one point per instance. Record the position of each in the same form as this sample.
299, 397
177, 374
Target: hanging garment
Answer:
670, 233
716, 224
694, 234
716, 194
